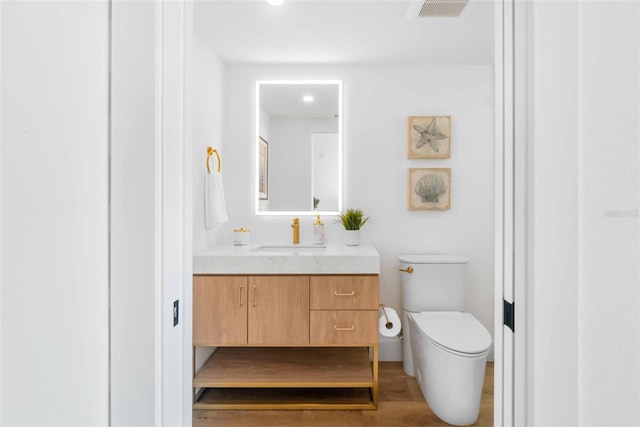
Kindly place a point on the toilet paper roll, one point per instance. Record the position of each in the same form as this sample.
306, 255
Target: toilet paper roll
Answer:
392, 327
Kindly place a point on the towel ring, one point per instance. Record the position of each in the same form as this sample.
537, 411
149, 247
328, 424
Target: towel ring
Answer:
211, 151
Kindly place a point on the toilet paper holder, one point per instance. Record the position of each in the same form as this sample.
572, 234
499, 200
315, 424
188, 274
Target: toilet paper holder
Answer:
388, 325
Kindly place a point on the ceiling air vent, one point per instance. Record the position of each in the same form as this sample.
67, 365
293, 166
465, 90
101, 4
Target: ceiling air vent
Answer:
437, 8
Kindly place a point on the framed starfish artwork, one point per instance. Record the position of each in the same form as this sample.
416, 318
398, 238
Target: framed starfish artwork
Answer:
429, 137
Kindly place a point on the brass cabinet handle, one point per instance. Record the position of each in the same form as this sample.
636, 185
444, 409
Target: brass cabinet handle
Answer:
241, 288
350, 294
254, 296
335, 327
407, 270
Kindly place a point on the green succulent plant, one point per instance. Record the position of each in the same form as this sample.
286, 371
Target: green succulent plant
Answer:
352, 219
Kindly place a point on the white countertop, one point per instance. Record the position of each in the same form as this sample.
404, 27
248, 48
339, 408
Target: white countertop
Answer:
331, 259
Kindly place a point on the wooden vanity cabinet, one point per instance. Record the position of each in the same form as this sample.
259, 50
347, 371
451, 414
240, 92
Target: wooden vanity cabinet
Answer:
314, 339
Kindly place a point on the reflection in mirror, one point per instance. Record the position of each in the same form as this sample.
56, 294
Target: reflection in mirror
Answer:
298, 147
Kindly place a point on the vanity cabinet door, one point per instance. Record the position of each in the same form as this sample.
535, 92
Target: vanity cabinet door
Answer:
219, 310
279, 310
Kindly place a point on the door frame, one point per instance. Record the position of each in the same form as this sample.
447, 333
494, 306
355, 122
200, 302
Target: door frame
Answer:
187, 238
513, 209
503, 173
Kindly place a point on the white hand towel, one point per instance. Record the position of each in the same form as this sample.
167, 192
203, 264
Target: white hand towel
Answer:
215, 208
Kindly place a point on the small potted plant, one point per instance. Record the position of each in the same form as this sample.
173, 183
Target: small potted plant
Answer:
352, 220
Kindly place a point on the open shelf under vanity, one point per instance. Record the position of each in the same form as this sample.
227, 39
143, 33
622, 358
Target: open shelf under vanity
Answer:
288, 378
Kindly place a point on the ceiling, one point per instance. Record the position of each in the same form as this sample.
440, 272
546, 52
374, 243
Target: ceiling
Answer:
284, 101
343, 32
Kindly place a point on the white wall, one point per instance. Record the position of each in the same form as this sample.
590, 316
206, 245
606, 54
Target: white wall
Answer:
556, 215
586, 299
207, 126
54, 197
609, 300
377, 102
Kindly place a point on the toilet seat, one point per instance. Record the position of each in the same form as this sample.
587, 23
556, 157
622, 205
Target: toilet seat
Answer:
454, 332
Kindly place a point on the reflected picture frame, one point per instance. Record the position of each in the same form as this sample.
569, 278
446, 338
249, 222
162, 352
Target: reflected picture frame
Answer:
263, 169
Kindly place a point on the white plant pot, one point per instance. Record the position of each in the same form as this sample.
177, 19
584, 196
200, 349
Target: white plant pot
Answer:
352, 237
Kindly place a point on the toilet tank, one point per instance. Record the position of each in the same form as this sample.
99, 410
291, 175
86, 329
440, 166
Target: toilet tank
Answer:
437, 282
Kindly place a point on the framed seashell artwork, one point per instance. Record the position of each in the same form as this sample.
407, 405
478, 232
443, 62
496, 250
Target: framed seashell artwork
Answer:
429, 137
429, 189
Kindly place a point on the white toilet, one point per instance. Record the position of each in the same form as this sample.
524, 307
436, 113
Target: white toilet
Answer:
443, 347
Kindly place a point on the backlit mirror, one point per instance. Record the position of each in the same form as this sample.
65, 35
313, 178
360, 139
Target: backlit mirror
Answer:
298, 149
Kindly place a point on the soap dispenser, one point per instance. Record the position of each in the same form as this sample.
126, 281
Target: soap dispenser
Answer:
318, 231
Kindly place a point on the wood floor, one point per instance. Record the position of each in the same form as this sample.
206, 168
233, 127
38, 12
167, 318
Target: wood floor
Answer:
401, 405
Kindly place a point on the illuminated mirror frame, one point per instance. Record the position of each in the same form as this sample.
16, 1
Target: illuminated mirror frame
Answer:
256, 196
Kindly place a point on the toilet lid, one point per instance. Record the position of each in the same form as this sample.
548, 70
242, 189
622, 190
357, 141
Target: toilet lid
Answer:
456, 331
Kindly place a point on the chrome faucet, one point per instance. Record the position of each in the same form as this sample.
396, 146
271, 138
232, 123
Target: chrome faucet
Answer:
296, 230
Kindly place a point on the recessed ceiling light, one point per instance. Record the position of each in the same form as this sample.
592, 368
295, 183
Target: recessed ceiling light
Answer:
307, 98
275, 2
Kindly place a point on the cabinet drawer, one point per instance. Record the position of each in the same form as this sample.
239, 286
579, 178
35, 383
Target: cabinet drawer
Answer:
344, 292
344, 327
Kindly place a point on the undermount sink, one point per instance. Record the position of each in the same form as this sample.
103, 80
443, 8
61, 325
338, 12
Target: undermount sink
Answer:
288, 247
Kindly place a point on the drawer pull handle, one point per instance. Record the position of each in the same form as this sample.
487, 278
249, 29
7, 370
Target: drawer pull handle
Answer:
254, 296
350, 294
241, 288
335, 327
407, 270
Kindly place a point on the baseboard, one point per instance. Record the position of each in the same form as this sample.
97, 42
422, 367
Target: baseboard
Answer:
390, 349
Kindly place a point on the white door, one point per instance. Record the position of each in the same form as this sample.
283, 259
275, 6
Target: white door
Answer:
325, 164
